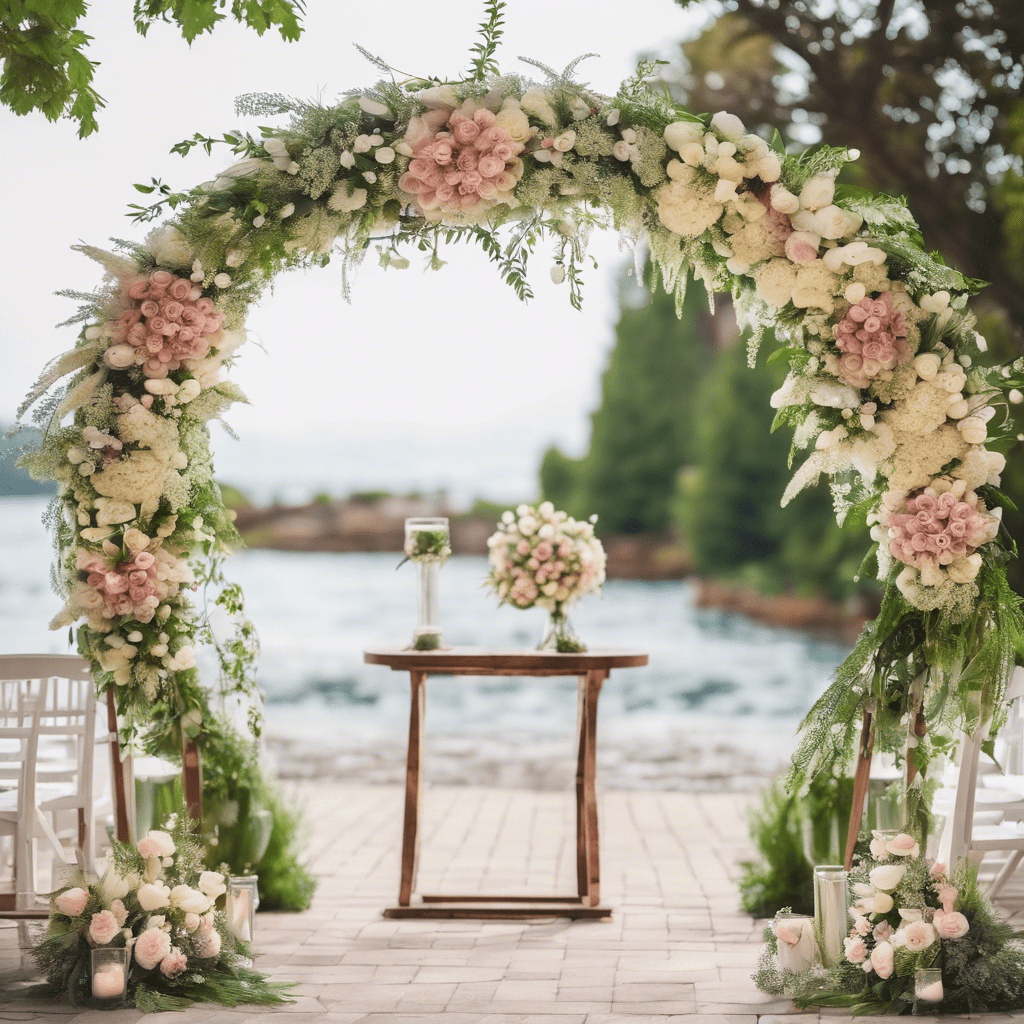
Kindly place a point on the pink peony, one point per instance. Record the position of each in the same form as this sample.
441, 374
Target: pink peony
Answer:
103, 927
151, 947
72, 902
875, 332
882, 959
174, 963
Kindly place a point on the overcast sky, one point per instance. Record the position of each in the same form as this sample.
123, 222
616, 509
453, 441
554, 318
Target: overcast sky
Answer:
327, 370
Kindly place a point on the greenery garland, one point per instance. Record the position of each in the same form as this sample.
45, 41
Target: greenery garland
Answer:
885, 390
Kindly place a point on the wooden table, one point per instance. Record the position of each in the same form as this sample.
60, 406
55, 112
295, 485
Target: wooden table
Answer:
592, 668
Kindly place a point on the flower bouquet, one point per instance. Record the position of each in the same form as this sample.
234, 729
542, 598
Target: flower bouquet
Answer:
157, 903
910, 923
546, 559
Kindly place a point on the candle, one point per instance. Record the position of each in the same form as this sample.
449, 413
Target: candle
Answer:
795, 934
931, 993
927, 989
108, 981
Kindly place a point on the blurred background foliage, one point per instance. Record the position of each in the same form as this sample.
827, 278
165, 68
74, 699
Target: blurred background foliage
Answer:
928, 91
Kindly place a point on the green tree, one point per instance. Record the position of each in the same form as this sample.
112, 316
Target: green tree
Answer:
729, 508
44, 67
923, 88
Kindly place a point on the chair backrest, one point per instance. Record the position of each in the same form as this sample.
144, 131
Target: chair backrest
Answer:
19, 738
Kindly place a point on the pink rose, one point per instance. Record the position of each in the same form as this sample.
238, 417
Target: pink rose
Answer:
490, 166
204, 305
174, 963
151, 947
161, 278
173, 310
207, 943
138, 290
856, 950
144, 559
483, 117
918, 935
180, 289
543, 551
951, 924
120, 912
103, 927
464, 131
862, 926
799, 249
149, 308
503, 151
882, 959
408, 182
72, 902
882, 931
467, 160
443, 152
159, 324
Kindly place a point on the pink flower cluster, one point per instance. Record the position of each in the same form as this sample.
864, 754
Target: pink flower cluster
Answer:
872, 337
129, 588
169, 321
937, 529
459, 168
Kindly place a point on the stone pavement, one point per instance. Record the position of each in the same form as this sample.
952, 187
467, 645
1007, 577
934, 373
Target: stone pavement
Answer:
678, 949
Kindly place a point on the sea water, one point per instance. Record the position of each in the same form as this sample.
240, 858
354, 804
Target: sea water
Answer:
712, 675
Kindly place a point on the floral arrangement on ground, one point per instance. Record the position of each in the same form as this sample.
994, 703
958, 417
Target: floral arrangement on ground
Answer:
907, 917
887, 391
156, 901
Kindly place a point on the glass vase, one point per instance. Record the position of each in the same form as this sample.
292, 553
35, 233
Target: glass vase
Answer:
559, 636
427, 543
928, 993
831, 911
109, 977
240, 908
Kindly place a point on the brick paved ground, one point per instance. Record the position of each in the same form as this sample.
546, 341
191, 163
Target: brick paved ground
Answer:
677, 949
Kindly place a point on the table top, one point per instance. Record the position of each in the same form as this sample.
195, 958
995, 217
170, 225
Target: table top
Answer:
480, 661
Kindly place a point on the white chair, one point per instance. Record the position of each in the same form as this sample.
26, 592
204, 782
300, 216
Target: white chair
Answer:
965, 835
55, 795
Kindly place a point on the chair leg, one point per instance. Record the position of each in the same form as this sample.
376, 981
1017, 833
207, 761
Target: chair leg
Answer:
1005, 873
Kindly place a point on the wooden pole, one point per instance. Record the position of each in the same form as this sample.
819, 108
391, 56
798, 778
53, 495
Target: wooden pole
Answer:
192, 778
117, 780
861, 781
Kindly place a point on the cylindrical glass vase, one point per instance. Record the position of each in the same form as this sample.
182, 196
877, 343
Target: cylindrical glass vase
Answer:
242, 900
831, 911
928, 993
794, 934
109, 977
427, 543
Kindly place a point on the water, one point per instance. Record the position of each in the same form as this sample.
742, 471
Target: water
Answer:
713, 677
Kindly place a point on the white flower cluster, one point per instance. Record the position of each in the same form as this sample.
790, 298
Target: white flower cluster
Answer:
544, 558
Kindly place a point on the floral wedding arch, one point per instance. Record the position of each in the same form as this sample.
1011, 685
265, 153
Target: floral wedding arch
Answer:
884, 390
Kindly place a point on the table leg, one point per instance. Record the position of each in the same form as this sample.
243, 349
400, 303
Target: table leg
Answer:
582, 864
593, 691
410, 843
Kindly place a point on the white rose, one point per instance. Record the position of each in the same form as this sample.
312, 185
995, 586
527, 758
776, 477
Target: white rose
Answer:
513, 121
973, 430
928, 365
213, 884
887, 876
728, 125
565, 141
222, 280
832, 222
818, 192
783, 200
438, 96
372, 107
186, 898
681, 133
384, 155
153, 896
119, 357
881, 903
189, 390
621, 150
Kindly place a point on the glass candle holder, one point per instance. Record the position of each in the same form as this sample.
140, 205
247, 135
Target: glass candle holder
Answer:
831, 911
109, 977
928, 993
242, 900
795, 936
428, 544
